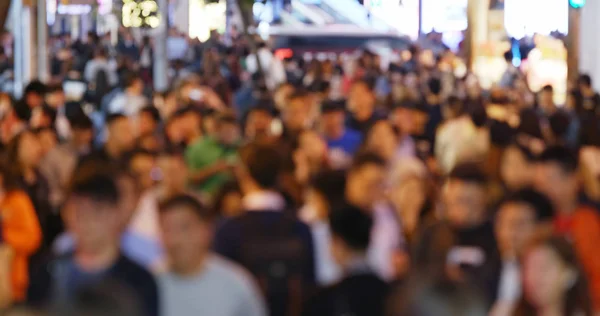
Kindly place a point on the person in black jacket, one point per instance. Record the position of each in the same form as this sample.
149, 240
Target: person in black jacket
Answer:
93, 215
266, 240
361, 291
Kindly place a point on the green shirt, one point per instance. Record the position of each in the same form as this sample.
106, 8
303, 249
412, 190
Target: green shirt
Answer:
205, 153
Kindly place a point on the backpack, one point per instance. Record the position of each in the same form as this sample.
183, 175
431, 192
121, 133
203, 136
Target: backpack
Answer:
279, 259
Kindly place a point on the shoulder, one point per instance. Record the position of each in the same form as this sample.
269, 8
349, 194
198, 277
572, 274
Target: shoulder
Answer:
139, 276
230, 274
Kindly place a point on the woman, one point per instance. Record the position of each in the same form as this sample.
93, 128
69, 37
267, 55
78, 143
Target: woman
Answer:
553, 282
20, 234
25, 152
382, 139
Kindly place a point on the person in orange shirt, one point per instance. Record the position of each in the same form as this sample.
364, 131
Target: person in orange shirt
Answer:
556, 176
20, 232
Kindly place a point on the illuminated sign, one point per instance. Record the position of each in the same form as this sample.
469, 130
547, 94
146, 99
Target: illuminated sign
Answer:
205, 17
140, 13
577, 4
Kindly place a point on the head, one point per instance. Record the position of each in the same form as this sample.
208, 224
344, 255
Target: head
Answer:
25, 150
133, 83
92, 213
173, 171
351, 233
382, 139
34, 94
258, 122
366, 180
47, 139
326, 192
187, 233
282, 95
149, 118
296, 115
120, 133
55, 96
584, 82
546, 99
312, 146
228, 201
402, 117
361, 100
464, 196
552, 277
517, 219
556, 176
260, 168
410, 198
82, 130
141, 166
228, 129
560, 123
333, 118
517, 168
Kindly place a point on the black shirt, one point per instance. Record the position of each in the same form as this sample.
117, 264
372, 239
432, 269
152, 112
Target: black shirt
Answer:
59, 279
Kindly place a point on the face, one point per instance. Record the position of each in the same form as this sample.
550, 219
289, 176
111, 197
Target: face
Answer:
403, 120
383, 140
30, 150
365, 185
361, 101
174, 172
56, 99
546, 97
332, 121
296, 115
313, 145
47, 140
464, 202
559, 186
121, 132
515, 224
408, 198
94, 225
259, 124
186, 238
229, 133
141, 166
515, 170
545, 277
147, 124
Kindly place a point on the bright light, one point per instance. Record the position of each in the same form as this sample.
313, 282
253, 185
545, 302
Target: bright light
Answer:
74, 9
519, 22
577, 4
205, 18
140, 13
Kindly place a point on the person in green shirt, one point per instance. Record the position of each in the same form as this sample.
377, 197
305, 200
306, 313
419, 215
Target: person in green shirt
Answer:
211, 158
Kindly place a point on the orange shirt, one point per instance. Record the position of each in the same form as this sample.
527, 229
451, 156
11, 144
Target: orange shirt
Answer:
583, 228
21, 231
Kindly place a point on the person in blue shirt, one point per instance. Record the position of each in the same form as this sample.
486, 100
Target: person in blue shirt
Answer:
335, 132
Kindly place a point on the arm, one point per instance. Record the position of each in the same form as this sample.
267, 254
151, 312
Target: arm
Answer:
22, 230
204, 174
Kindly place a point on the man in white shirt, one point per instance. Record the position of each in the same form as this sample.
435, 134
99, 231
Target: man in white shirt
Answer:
132, 100
200, 282
273, 68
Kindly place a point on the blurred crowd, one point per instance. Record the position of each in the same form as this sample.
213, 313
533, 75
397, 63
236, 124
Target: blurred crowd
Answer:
259, 186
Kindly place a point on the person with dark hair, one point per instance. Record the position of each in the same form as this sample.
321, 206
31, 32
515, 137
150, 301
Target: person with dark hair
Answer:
560, 287
464, 198
58, 165
590, 98
362, 106
132, 99
364, 189
210, 159
120, 138
149, 120
297, 115
341, 141
545, 100
94, 215
517, 167
518, 218
259, 120
560, 123
34, 94
100, 62
361, 292
195, 272
20, 233
266, 236
228, 200
557, 177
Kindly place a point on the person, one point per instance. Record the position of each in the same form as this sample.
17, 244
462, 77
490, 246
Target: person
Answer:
465, 201
361, 292
149, 121
265, 237
34, 93
259, 121
95, 218
127, 47
557, 176
518, 218
553, 282
310, 155
132, 99
100, 62
20, 234
296, 115
120, 139
382, 139
272, 67
58, 165
361, 103
590, 98
173, 174
545, 100
517, 167
402, 118
228, 201
210, 159
199, 282
364, 189
341, 141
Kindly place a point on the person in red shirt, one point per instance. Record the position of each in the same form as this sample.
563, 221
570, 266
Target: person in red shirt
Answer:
556, 176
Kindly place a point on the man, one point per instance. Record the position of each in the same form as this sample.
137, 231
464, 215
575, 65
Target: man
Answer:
465, 201
210, 159
545, 100
132, 99
364, 189
184, 127
149, 121
518, 218
360, 292
59, 163
296, 115
341, 141
200, 282
93, 216
120, 139
591, 99
361, 103
403, 119
557, 177
259, 121
100, 62
275, 247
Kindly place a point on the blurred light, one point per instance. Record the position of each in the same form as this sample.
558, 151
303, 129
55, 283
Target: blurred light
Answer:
284, 53
51, 8
205, 18
142, 13
74, 9
577, 4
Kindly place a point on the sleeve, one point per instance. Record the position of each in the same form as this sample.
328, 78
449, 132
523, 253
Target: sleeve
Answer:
587, 237
251, 302
310, 273
21, 226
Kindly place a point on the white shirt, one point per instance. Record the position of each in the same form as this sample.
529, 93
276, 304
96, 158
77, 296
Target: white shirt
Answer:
509, 289
263, 201
129, 105
272, 67
385, 241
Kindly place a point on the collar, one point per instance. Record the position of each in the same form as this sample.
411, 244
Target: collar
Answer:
263, 201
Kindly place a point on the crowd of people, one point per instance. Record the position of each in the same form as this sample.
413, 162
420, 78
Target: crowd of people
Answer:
308, 187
